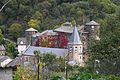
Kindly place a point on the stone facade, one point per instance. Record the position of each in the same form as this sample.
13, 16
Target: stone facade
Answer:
6, 74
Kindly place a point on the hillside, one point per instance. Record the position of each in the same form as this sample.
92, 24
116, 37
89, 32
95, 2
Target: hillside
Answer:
18, 15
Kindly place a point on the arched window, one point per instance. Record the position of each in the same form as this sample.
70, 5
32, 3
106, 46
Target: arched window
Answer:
92, 27
21, 42
70, 50
76, 49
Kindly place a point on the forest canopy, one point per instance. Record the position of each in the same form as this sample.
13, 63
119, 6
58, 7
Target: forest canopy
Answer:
46, 14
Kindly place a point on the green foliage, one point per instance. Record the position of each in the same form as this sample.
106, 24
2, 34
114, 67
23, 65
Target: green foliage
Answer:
58, 78
49, 13
34, 23
88, 76
1, 37
23, 74
107, 49
49, 58
11, 51
15, 31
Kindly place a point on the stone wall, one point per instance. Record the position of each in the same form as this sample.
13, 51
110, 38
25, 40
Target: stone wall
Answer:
6, 74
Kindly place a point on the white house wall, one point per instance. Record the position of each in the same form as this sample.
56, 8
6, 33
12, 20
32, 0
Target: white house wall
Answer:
6, 74
21, 48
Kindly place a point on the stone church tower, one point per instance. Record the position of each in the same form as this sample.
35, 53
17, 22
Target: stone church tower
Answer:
75, 48
28, 33
93, 29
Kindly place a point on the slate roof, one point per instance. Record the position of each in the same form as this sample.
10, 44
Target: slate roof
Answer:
92, 23
21, 39
75, 38
31, 29
14, 62
57, 51
37, 34
67, 24
67, 28
49, 32
4, 60
2, 48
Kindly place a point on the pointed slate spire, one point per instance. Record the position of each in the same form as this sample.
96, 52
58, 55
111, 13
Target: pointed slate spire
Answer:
75, 38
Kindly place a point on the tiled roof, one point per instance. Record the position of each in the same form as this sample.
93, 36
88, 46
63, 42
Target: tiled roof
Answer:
2, 48
92, 23
57, 51
21, 41
75, 38
31, 29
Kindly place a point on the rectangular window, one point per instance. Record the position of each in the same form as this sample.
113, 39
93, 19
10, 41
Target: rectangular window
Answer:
70, 50
26, 59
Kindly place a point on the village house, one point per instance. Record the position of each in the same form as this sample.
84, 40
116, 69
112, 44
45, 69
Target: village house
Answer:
6, 71
6, 65
2, 50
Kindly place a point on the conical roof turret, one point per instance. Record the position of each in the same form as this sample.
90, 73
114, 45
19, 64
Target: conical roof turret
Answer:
31, 29
75, 38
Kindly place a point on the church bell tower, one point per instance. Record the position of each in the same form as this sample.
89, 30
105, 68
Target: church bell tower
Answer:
75, 48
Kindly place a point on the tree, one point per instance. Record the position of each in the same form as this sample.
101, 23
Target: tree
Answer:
1, 37
15, 31
4, 5
107, 49
11, 51
49, 58
34, 23
23, 74
38, 57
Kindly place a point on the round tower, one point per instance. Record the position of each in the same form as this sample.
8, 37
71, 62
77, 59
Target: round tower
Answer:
92, 28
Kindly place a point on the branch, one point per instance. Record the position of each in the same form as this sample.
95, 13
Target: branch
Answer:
4, 5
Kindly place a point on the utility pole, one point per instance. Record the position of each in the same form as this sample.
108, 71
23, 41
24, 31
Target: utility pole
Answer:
38, 67
66, 63
66, 69
37, 55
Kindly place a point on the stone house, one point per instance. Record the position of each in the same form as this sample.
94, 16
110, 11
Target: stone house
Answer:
6, 72
2, 50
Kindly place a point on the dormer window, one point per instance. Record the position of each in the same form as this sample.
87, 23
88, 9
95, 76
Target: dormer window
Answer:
21, 42
92, 27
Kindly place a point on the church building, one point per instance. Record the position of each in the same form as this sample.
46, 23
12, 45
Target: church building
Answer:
64, 41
